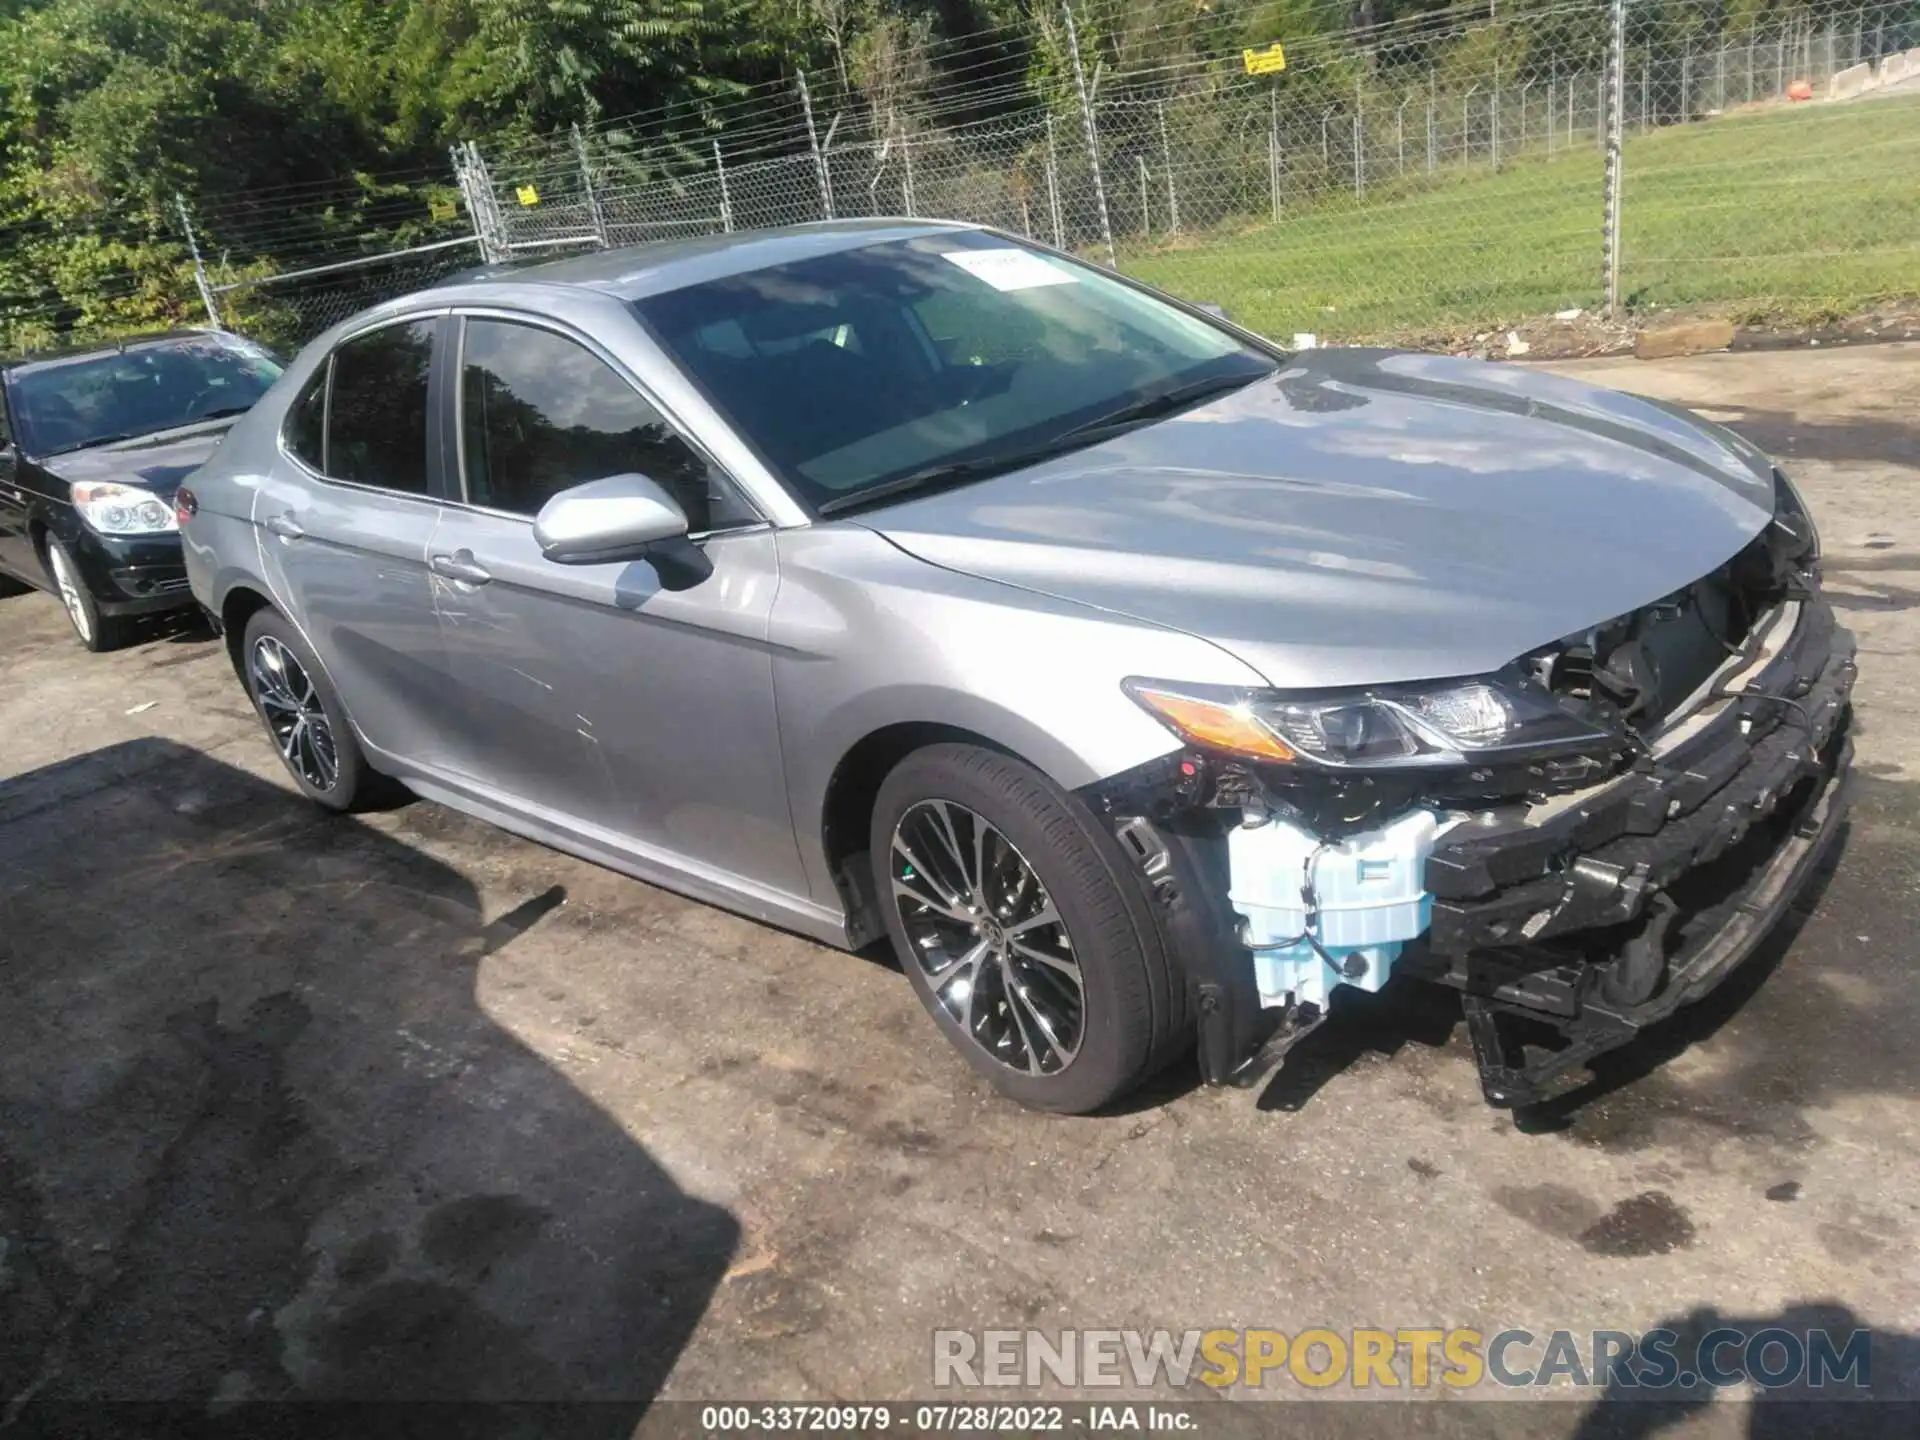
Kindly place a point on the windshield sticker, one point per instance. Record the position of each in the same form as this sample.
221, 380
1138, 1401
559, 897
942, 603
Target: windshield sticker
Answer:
1010, 269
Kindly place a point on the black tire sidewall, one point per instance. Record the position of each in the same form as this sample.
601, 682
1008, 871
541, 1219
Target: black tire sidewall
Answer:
1056, 835
352, 781
106, 632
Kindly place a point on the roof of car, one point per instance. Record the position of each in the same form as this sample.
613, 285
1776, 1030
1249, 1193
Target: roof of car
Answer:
103, 347
640, 270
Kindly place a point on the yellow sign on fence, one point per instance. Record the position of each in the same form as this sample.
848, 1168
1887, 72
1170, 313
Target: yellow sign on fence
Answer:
528, 195
1270, 61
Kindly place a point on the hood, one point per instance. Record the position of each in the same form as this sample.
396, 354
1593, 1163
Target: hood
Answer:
1368, 516
159, 462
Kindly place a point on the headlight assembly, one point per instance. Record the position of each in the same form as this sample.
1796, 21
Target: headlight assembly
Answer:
1449, 722
122, 509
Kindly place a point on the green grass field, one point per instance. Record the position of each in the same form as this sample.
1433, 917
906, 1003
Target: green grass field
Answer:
1801, 213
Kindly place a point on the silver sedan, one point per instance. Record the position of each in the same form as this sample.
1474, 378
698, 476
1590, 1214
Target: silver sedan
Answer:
1148, 688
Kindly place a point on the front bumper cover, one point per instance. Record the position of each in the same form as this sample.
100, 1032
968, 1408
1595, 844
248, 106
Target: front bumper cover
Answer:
1622, 904
1648, 891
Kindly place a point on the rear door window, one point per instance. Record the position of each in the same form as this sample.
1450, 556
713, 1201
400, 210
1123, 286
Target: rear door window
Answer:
377, 418
306, 433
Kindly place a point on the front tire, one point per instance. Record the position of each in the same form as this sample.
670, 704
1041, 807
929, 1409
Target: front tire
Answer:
94, 630
304, 717
1024, 930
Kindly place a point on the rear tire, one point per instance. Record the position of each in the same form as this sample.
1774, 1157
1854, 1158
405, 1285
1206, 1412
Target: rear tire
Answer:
305, 719
97, 632
1024, 930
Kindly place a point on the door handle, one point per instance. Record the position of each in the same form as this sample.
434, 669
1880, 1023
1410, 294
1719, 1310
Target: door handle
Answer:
286, 527
459, 566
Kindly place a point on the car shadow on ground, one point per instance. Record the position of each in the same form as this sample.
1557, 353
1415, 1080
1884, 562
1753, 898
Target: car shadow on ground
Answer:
1880, 1399
259, 1140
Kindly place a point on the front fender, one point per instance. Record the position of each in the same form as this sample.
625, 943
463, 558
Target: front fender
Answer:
866, 637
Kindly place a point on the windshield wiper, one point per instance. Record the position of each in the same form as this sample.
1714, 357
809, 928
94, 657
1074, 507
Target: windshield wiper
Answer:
227, 414
93, 440
1165, 402
932, 478
960, 472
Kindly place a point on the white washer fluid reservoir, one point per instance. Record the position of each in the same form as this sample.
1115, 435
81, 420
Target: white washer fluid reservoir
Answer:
1368, 898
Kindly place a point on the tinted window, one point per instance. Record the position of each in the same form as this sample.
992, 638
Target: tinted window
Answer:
306, 422
377, 423
75, 401
540, 413
863, 366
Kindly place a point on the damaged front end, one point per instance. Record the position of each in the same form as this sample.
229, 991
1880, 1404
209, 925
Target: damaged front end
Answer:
1579, 844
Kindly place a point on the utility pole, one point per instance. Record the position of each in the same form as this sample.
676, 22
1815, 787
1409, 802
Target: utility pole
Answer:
199, 266
1093, 139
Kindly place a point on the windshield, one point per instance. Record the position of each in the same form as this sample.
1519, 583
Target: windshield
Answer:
923, 360
75, 401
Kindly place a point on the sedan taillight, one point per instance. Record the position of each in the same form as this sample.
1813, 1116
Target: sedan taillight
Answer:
185, 506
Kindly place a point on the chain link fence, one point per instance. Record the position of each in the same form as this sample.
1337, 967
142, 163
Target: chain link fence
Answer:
1436, 178
1444, 177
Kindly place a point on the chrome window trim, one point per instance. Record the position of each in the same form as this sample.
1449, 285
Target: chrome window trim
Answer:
507, 316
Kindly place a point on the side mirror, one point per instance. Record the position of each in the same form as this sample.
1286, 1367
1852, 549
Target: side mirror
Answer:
603, 521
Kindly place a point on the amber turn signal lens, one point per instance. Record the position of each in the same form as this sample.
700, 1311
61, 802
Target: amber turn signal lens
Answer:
1209, 722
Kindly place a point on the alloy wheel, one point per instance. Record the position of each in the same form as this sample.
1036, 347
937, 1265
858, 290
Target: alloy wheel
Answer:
69, 586
994, 950
294, 713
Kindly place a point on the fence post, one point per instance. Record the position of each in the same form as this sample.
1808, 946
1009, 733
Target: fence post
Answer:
1093, 139
726, 196
1273, 150
1429, 137
1686, 87
586, 180
813, 143
1146, 202
476, 190
199, 268
1645, 66
1359, 140
1166, 159
1550, 89
1493, 147
1400, 133
1053, 188
1616, 96
906, 162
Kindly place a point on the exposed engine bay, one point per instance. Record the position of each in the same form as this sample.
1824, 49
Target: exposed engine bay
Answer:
1574, 892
